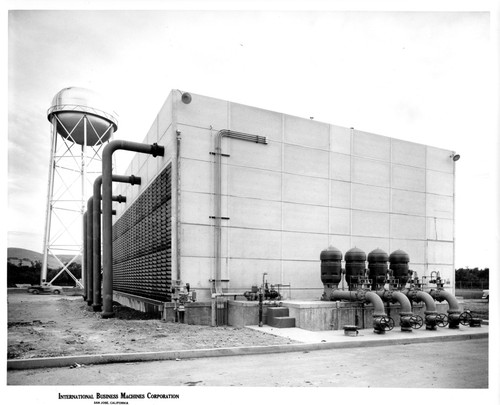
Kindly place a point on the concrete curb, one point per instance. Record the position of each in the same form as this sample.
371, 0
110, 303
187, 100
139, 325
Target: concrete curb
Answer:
23, 364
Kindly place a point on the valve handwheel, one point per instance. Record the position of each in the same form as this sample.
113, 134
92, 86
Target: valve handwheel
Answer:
465, 318
416, 321
387, 323
442, 320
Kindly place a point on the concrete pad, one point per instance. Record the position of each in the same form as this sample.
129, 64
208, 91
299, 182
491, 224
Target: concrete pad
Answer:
367, 337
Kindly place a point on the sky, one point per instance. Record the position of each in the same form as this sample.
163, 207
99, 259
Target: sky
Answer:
423, 76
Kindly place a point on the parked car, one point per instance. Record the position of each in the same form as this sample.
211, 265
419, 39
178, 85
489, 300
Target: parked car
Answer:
486, 295
45, 289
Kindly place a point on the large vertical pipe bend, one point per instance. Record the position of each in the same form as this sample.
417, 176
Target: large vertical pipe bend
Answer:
399, 297
107, 221
430, 306
421, 296
442, 295
96, 229
405, 312
453, 306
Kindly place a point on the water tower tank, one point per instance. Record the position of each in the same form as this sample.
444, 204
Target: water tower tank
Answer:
73, 106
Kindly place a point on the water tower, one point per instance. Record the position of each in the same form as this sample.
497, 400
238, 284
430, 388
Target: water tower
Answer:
85, 123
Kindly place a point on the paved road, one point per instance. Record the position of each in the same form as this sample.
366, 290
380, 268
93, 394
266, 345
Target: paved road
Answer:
460, 364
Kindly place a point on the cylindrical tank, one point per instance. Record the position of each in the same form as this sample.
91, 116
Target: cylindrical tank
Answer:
377, 265
354, 265
399, 260
331, 266
71, 105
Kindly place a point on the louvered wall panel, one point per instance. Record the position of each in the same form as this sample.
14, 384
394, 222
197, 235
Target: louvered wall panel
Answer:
142, 243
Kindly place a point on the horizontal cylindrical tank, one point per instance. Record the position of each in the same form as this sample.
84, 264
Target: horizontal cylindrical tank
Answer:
377, 265
399, 260
82, 114
331, 265
355, 264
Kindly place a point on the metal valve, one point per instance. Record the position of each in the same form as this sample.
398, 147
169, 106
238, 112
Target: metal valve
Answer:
442, 320
416, 321
382, 324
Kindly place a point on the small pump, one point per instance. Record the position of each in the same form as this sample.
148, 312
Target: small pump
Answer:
268, 291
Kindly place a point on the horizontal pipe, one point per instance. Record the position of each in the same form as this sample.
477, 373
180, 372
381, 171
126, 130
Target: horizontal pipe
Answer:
368, 296
119, 198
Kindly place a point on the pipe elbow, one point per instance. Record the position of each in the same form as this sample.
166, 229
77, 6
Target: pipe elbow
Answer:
378, 304
403, 301
440, 295
97, 186
90, 203
111, 148
427, 299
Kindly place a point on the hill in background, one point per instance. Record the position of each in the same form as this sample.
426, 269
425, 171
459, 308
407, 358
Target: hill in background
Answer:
32, 256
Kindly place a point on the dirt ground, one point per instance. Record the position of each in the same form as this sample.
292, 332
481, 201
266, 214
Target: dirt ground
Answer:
60, 325
64, 325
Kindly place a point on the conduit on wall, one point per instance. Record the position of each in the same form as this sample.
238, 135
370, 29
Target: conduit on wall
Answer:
224, 133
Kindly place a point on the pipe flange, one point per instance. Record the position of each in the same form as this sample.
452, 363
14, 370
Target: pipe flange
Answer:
157, 150
388, 295
412, 295
436, 294
361, 295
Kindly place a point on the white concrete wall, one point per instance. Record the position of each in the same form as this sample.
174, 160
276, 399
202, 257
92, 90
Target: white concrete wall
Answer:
146, 166
313, 185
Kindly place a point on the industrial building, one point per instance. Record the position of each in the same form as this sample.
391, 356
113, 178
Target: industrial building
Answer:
243, 196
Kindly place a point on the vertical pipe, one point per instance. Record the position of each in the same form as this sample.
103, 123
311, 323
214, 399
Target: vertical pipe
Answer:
48, 211
178, 209
107, 220
96, 257
218, 212
107, 236
84, 258
90, 276
83, 179
224, 133
96, 229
